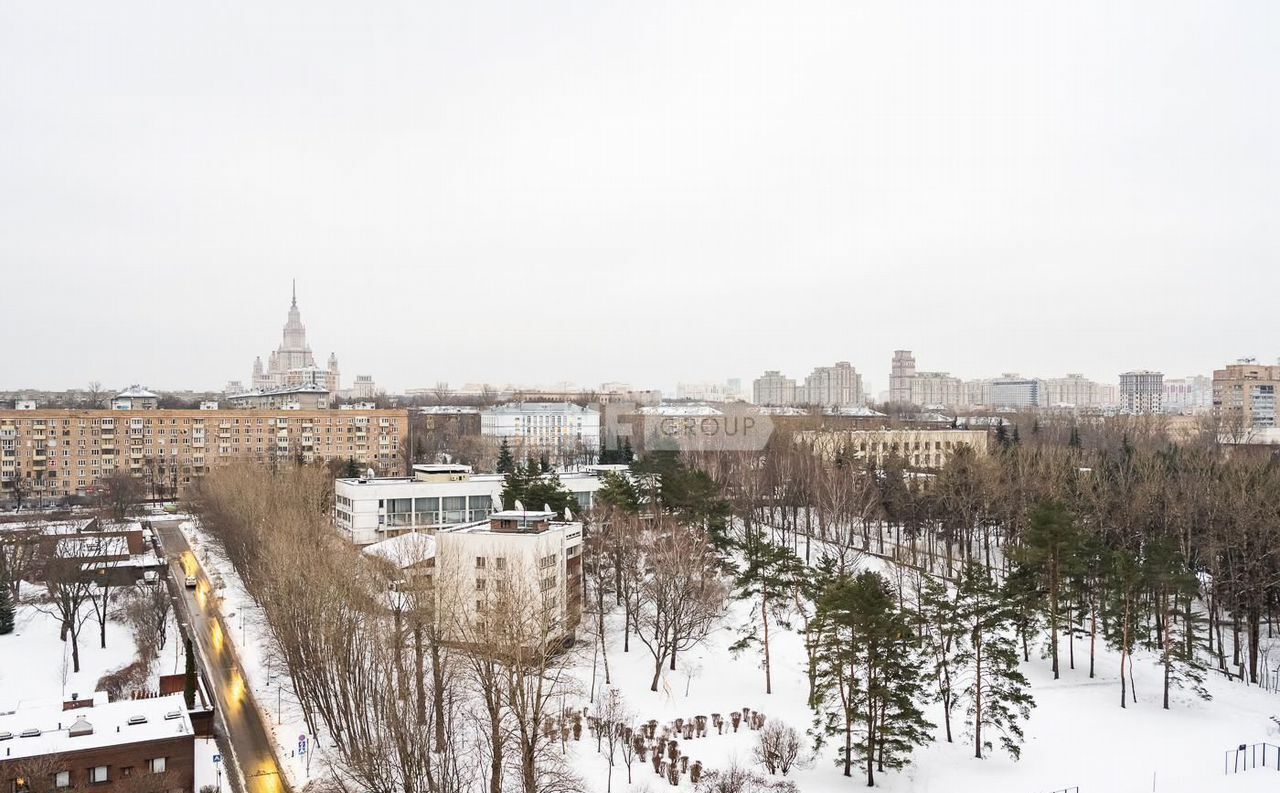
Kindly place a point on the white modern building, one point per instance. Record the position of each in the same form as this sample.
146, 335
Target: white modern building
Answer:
526, 563
563, 431
367, 510
1142, 391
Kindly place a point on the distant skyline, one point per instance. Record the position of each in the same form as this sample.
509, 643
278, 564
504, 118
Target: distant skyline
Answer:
653, 193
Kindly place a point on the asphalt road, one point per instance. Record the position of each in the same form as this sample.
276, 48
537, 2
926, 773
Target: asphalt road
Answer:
253, 760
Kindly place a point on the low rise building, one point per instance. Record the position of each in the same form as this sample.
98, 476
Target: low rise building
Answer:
563, 431
515, 574
917, 448
125, 746
307, 396
367, 510
135, 397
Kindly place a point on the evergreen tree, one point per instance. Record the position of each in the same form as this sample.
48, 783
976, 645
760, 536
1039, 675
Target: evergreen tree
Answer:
1002, 435
1047, 549
1074, 440
506, 463
628, 456
768, 572
544, 463
940, 642
1015, 439
6, 608
994, 690
353, 469
189, 686
619, 492
1123, 610
1172, 584
869, 679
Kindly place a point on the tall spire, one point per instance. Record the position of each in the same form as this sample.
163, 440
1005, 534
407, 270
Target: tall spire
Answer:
295, 293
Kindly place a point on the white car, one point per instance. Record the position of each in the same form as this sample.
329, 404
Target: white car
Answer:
191, 582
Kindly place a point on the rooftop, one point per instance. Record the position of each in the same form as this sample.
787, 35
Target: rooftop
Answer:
306, 388
136, 392
45, 728
514, 408
406, 550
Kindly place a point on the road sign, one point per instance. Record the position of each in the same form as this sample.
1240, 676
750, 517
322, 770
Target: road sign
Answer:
217, 758
302, 744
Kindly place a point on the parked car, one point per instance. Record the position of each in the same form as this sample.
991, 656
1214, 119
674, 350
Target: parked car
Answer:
191, 582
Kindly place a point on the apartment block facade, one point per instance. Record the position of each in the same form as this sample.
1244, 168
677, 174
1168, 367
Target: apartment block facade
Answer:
1142, 391
1244, 395
58, 453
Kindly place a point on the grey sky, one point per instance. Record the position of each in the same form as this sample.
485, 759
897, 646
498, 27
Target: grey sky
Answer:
652, 192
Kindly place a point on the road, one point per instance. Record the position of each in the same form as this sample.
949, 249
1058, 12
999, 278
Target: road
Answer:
240, 721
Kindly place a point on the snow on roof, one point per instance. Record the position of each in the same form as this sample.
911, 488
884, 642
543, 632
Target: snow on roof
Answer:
306, 388
406, 550
83, 546
858, 410
448, 409
680, 410
47, 527
515, 408
136, 392
46, 728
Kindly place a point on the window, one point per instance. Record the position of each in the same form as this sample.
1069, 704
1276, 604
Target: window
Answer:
480, 585
98, 773
157, 765
62, 779
479, 562
501, 563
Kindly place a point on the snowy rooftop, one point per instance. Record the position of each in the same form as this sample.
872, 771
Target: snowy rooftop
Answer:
406, 550
680, 410
448, 410
46, 728
520, 408
136, 392
307, 388
48, 527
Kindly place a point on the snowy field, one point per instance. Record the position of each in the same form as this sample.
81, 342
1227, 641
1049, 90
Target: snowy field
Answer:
1077, 735
35, 665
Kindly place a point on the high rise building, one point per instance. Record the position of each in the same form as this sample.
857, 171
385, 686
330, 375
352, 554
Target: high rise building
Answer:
773, 388
1076, 390
901, 373
1244, 395
1141, 391
292, 363
832, 387
1192, 394
1011, 392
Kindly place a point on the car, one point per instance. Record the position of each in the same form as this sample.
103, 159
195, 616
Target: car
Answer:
150, 576
191, 582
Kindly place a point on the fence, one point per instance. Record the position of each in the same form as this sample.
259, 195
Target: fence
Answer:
1245, 756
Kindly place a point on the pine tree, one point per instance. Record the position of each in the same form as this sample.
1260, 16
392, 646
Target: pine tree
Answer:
544, 463
1047, 548
869, 679
939, 641
6, 608
628, 456
353, 470
1172, 584
1002, 435
1125, 595
768, 572
994, 690
1074, 440
189, 686
506, 463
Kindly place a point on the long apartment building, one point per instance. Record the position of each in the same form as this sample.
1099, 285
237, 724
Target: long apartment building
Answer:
58, 453
367, 510
917, 448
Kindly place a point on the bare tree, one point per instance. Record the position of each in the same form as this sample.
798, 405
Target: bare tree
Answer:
67, 590
681, 596
613, 720
777, 747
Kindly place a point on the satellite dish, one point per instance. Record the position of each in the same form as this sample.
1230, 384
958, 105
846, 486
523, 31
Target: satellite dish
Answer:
546, 507
519, 506
496, 502
370, 474
567, 514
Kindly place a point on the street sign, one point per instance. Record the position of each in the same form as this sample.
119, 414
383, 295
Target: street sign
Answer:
217, 758
302, 744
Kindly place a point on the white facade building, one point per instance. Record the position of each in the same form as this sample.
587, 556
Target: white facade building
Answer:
561, 430
435, 497
1142, 391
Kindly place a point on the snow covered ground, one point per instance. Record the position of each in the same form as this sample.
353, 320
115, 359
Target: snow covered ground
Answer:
1077, 735
35, 665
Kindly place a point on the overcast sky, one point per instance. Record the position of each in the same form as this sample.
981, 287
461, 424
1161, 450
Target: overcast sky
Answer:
646, 191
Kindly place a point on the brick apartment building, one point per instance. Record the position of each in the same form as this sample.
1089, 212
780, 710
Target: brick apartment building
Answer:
50, 454
112, 747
